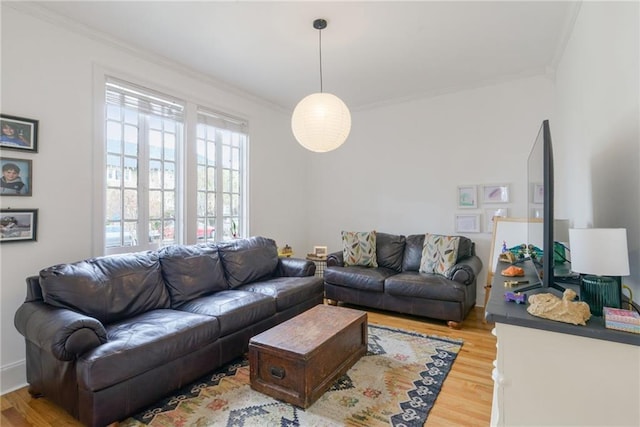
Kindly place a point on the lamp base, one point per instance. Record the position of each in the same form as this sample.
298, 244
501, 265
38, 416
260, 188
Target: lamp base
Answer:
600, 291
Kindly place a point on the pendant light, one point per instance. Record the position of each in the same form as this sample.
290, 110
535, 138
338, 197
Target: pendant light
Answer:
321, 122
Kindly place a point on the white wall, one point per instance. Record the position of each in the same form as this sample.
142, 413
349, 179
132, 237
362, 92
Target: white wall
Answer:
401, 166
47, 74
598, 124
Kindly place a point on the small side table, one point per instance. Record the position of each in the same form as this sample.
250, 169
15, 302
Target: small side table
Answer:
320, 262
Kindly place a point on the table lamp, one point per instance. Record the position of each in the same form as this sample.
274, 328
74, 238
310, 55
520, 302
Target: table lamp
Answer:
601, 256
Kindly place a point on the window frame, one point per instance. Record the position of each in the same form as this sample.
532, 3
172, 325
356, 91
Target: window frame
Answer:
186, 184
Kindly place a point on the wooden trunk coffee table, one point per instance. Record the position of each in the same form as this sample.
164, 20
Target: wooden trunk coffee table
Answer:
298, 360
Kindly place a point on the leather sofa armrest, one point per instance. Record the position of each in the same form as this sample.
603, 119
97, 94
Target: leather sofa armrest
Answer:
465, 271
295, 267
335, 259
64, 333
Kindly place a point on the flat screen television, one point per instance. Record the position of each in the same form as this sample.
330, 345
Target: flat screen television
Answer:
540, 208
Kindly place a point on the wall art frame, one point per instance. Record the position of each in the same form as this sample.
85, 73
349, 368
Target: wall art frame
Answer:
18, 133
18, 225
467, 196
16, 177
495, 193
467, 223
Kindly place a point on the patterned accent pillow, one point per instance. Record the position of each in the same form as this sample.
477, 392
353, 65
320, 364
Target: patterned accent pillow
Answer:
439, 253
359, 248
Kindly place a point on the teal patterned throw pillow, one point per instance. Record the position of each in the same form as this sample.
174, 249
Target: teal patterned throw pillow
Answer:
439, 253
359, 248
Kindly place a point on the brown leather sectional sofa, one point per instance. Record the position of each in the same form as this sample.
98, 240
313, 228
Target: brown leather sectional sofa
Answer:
397, 285
108, 336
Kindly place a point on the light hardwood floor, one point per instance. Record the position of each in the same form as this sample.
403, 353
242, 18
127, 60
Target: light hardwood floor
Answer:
465, 399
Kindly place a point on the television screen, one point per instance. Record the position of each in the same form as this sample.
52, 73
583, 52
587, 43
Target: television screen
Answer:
540, 208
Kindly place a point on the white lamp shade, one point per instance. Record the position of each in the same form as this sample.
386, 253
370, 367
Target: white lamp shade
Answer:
599, 251
321, 122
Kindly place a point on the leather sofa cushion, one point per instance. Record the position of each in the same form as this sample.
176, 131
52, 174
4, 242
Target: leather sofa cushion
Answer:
234, 309
141, 343
413, 251
424, 285
390, 250
287, 291
364, 278
248, 260
191, 271
108, 288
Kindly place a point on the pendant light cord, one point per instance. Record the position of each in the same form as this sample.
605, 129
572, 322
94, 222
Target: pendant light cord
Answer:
320, 50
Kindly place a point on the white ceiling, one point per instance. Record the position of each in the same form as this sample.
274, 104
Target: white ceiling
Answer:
372, 52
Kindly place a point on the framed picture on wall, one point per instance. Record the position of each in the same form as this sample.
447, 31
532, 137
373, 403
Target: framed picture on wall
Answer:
17, 133
16, 177
18, 225
495, 193
467, 223
467, 196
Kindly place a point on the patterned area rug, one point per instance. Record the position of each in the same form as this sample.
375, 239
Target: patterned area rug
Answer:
396, 383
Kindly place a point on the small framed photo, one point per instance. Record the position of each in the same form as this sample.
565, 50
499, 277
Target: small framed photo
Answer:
17, 133
538, 193
467, 196
16, 177
18, 225
495, 193
320, 251
468, 223
491, 214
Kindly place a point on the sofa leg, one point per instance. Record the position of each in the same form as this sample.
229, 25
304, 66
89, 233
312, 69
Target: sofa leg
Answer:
454, 325
332, 302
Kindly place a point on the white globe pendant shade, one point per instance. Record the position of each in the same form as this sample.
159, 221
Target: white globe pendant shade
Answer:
321, 122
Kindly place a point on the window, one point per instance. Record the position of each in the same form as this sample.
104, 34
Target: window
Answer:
151, 196
144, 133
221, 145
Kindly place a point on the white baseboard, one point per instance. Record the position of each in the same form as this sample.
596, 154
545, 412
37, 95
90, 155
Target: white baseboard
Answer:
13, 376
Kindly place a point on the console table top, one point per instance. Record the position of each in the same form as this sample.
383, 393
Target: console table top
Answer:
500, 311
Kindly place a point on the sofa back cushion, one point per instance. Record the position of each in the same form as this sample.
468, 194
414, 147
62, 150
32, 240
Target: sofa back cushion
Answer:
191, 271
248, 260
413, 251
390, 250
108, 288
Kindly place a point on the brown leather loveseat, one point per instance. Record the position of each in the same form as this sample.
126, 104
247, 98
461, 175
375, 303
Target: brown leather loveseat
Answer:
396, 283
108, 336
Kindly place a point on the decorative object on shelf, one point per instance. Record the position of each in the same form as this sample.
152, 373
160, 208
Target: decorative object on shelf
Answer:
601, 255
467, 223
467, 196
549, 306
321, 121
622, 320
18, 225
17, 133
512, 283
287, 251
495, 193
630, 300
513, 271
517, 297
16, 177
